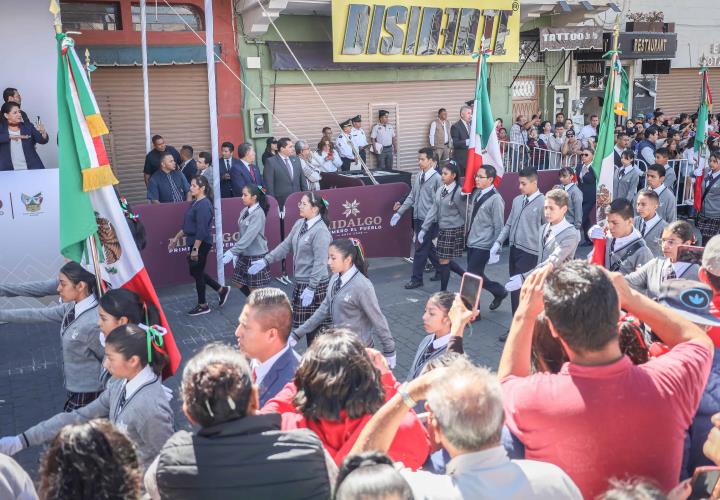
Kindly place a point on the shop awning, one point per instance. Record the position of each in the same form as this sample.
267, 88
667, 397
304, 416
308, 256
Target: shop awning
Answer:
103, 55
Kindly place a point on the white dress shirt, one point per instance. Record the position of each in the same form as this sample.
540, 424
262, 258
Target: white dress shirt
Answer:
624, 241
131, 386
262, 369
345, 277
87, 303
441, 342
313, 221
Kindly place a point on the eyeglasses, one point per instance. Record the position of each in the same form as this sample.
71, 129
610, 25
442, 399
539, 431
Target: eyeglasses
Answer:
670, 243
303, 204
585, 154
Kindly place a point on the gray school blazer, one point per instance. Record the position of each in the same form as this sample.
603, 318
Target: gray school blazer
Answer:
252, 240
650, 277
558, 249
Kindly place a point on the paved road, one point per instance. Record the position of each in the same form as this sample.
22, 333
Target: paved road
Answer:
31, 385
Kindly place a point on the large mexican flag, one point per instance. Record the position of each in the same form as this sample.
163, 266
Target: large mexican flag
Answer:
484, 147
701, 134
89, 205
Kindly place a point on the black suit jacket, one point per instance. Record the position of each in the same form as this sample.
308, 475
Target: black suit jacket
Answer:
226, 187
240, 177
277, 178
459, 134
587, 185
190, 170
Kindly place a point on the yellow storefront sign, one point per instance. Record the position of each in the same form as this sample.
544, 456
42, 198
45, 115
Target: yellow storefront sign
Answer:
404, 31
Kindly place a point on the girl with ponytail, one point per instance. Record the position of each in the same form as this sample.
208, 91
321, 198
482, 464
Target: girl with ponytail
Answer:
134, 400
351, 301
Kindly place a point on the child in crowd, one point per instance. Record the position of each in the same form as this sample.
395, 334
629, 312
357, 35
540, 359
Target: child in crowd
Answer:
574, 212
647, 221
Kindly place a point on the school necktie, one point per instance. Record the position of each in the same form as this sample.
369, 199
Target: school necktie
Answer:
289, 167
444, 192
525, 202
642, 228
620, 174
69, 318
670, 273
546, 236
121, 403
612, 245
245, 215
304, 228
426, 354
336, 286
422, 178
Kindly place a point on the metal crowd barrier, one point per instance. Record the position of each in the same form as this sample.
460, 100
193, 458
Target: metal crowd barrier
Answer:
685, 179
546, 159
515, 155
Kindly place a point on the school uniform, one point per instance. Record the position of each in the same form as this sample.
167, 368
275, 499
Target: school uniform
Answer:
41, 288
430, 348
448, 212
626, 254
139, 408
80, 338
626, 182
557, 244
649, 279
308, 241
708, 220
667, 209
421, 199
523, 228
651, 231
351, 303
486, 224
670, 177
574, 213
250, 246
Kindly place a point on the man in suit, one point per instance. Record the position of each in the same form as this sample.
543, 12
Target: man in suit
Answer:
622, 142
262, 334
155, 156
188, 165
227, 162
245, 171
460, 134
586, 182
283, 172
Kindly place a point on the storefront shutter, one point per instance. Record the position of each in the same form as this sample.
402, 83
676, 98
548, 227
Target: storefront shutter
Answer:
178, 111
414, 105
679, 91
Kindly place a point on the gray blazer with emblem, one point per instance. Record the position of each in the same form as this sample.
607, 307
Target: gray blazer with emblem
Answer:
574, 213
448, 212
621, 260
486, 226
524, 223
281, 372
252, 240
652, 235
354, 307
82, 352
421, 197
650, 277
557, 249
277, 178
146, 418
416, 368
310, 252
667, 210
627, 186
711, 204
42, 288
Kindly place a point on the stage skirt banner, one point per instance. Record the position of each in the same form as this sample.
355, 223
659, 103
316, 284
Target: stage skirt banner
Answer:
29, 225
363, 212
162, 222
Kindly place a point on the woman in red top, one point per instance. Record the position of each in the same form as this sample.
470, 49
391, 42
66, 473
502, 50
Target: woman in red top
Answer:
337, 388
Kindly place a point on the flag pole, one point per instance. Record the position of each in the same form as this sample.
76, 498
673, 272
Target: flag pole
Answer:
146, 85
477, 75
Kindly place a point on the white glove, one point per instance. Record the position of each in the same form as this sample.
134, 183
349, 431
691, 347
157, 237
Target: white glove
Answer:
496, 248
306, 297
391, 361
228, 256
10, 445
168, 392
494, 258
394, 220
292, 340
257, 266
515, 283
596, 233
698, 171
421, 236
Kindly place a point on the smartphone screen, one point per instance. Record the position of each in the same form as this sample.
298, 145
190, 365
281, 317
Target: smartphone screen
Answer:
691, 254
704, 482
470, 289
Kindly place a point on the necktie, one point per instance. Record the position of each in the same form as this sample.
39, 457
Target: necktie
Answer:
426, 355
546, 236
336, 286
620, 174
422, 178
252, 173
176, 193
525, 202
642, 228
121, 403
227, 165
304, 228
245, 215
69, 318
612, 245
444, 192
670, 273
289, 167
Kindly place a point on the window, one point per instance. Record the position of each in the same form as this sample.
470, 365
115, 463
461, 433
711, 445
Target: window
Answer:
90, 16
162, 18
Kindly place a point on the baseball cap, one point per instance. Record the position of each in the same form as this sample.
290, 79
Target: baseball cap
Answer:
711, 256
690, 299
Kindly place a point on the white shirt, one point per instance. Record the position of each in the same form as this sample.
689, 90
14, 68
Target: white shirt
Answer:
345, 277
383, 134
17, 155
262, 369
85, 304
449, 187
567, 186
357, 135
533, 196
440, 342
558, 228
651, 223
490, 474
330, 165
252, 208
680, 267
313, 221
618, 150
342, 146
131, 386
628, 169
659, 190
433, 127
624, 241
586, 133
427, 174
483, 192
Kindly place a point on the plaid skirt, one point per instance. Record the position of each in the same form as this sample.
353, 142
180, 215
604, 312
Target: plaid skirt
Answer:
77, 400
708, 227
302, 314
241, 277
451, 242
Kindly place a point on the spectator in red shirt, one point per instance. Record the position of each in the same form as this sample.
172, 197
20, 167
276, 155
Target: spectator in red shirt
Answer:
602, 416
338, 386
710, 275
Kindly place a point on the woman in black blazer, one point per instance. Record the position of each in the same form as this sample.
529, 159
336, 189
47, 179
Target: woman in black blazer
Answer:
14, 130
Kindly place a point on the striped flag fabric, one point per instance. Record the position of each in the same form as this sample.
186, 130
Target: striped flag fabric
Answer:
484, 147
89, 206
701, 133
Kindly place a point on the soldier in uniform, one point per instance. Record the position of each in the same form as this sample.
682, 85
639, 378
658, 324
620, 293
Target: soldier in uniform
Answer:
358, 137
384, 134
343, 146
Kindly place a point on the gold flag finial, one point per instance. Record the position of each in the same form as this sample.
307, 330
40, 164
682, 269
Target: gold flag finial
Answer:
55, 11
87, 58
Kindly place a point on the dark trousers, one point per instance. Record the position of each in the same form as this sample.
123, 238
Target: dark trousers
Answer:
587, 209
477, 259
363, 156
197, 271
385, 159
520, 262
424, 251
345, 167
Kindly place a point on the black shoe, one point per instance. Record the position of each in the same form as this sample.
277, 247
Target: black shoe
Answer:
224, 293
413, 284
198, 310
436, 277
497, 301
503, 337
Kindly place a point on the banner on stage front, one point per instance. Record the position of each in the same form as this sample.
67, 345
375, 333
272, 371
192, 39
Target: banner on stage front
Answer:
29, 225
421, 31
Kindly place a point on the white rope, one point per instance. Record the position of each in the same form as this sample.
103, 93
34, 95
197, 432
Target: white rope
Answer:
233, 73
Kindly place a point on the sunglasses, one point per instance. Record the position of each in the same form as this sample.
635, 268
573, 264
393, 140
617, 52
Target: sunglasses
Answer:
585, 154
570, 135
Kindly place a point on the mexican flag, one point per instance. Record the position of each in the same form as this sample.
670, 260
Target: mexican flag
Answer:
603, 162
89, 205
484, 146
701, 133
